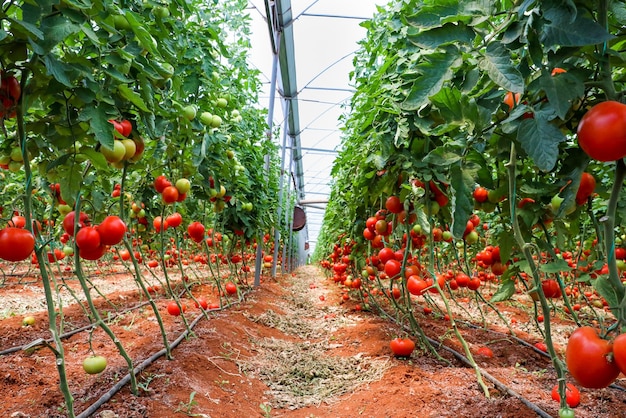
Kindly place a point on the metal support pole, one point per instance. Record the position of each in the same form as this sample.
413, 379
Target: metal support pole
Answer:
281, 183
270, 124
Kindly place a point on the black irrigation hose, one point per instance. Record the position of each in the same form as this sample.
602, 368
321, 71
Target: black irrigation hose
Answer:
138, 369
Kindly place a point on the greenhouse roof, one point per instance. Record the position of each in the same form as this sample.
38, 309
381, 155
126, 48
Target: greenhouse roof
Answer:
318, 42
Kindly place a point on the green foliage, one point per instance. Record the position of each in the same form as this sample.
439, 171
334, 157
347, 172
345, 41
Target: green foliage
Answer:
82, 64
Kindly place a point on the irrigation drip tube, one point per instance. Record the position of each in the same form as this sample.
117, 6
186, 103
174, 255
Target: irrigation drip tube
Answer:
143, 365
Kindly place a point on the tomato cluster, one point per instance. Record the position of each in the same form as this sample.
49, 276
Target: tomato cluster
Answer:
172, 193
93, 240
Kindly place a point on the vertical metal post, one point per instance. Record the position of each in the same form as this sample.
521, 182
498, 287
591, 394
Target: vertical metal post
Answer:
270, 123
281, 183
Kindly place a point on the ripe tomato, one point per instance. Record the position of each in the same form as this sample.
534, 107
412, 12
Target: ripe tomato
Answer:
170, 194
16, 244
93, 254
160, 183
485, 352
112, 230
202, 303
586, 188
551, 288
173, 308
481, 194
392, 268
127, 127
602, 131
88, 238
588, 361
174, 220
386, 254
394, 205
511, 99
230, 288
415, 285
402, 347
196, 231
572, 395
17, 221
159, 224
619, 352
70, 218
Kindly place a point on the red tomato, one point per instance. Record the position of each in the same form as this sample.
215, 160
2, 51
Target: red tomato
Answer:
170, 194
88, 238
159, 224
160, 183
93, 254
173, 308
602, 131
619, 352
16, 244
174, 220
386, 254
402, 347
230, 288
511, 99
481, 194
586, 188
415, 285
196, 231
551, 289
70, 218
572, 395
202, 302
462, 279
541, 346
17, 221
485, 352
394, 205
392, 268
112, 230
127, 127
588, 359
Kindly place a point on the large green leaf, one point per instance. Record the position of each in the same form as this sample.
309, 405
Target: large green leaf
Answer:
499, 67
99, 124
561, 90
505, 291
449, 33
604, 288
582, 31
540, 139
132, 96
434, 72
462, 203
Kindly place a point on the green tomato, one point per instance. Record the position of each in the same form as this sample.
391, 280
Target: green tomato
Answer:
189, 112
471, 238
222, 102
206, 118
183, 185
28, 321
94, 364
566, 412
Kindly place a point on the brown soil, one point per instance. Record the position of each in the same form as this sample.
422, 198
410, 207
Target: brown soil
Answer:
281, 352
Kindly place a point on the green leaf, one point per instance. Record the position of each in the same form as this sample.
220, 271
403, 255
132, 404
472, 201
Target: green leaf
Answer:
499, 67
504, 292
540, 139
462, 204
505, 241
434, 72
582, 31
132, 97
97, 158
561, 90
448, 33
556, 266
441, 157
99, 124
604, 288
62, 72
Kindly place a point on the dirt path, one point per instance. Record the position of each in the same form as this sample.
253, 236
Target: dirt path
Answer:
293, 348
